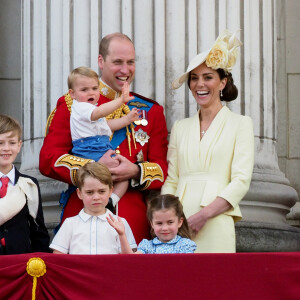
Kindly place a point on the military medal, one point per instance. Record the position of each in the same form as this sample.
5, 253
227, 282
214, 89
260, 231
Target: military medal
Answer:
141, 137
140, 156
144, 120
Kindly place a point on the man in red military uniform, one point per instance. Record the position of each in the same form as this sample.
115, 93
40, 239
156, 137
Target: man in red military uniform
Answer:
141, 149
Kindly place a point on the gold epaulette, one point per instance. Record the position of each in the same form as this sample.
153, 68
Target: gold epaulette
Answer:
69, 102
49, 120
73, 163
150, 172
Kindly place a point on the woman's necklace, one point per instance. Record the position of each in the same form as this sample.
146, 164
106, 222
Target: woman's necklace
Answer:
207, 123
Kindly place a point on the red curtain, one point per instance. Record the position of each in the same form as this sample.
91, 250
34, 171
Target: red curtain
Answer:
157, 276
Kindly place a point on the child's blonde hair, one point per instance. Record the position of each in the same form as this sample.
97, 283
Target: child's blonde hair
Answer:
168, 201
8, 124
95, 170
81, 71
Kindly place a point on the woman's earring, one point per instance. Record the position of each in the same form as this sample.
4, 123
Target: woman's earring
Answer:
221, 93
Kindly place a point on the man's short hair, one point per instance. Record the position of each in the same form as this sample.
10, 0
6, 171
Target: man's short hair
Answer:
81, 71
95, 170
105, 42
8, 124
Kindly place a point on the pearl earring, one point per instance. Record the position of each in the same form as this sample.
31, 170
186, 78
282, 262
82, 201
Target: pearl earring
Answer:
221, 93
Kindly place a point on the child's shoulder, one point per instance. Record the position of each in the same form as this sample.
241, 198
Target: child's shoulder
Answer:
186, 245
186, 240
19, 174
72, 222
146, 246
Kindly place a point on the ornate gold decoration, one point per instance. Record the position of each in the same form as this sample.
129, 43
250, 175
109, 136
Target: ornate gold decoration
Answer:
107, 91
122, 111
73, 163
138, 104
128, 140
133, 135
49, 120
150, 172
36, 267
69, 102
74, 176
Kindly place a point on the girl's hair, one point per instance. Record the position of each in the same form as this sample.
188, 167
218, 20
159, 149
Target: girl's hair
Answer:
95, 170
168, 202
230, 91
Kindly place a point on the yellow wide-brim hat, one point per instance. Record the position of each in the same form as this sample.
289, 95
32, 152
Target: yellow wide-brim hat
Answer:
222, 55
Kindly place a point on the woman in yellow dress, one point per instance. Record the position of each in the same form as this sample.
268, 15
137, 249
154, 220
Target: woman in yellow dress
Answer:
211, 154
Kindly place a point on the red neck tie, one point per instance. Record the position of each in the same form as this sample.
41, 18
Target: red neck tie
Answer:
3, 188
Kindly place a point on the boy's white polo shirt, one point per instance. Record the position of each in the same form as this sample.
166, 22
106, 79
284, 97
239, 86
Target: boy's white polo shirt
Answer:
86, 234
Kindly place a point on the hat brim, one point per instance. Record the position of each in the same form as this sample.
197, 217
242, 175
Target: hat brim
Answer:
195, 62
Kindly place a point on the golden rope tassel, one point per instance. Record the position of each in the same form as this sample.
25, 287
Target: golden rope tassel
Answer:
119, 113
133, 136
128, 140
36, 267
126, 110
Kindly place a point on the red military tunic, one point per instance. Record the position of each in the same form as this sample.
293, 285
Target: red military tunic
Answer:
57, 162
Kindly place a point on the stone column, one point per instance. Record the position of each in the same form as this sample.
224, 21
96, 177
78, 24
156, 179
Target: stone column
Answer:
270, 198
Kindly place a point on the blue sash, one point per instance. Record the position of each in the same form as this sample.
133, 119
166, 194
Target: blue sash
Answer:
120, 135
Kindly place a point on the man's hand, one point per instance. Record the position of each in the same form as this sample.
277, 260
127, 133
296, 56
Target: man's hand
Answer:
109, 160
125, 170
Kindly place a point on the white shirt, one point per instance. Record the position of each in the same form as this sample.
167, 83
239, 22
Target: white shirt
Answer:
11, 175
86, 234
81, 124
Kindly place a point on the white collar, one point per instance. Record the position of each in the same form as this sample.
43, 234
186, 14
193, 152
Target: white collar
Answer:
11, 175
85, 217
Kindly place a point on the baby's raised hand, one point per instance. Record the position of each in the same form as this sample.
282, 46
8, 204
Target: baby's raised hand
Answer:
134, 115
117, 224
125, 93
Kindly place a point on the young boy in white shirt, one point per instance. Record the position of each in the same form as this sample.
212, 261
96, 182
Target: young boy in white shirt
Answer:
89, 232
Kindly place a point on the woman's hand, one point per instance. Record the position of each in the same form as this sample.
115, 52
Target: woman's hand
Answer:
217, 207
198, 220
